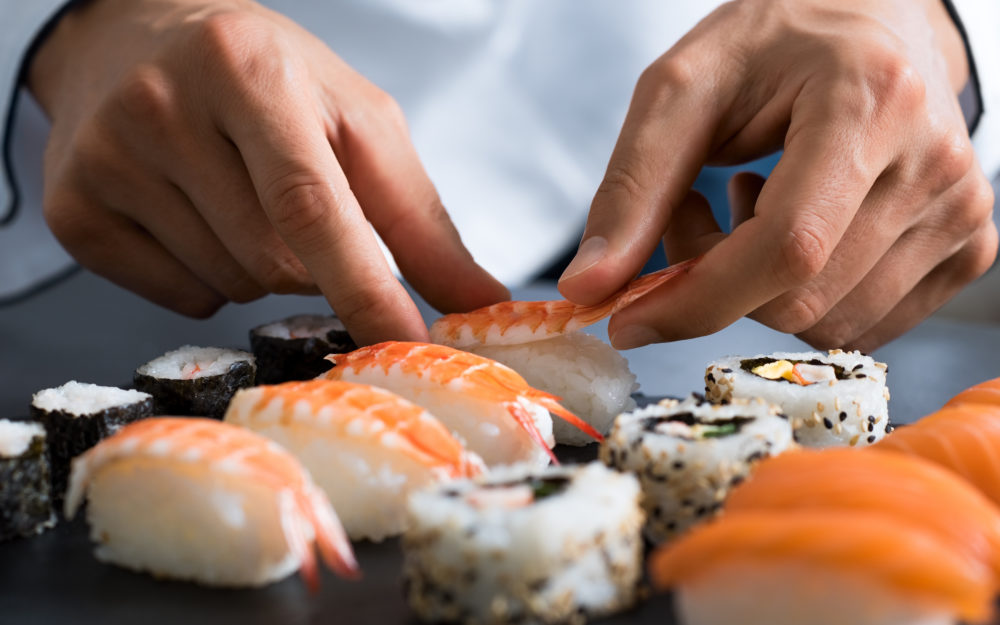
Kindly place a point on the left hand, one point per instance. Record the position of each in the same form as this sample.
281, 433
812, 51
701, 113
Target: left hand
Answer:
875, 215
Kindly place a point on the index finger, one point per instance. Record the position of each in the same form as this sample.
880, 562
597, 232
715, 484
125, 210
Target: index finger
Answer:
803, 211
307, 198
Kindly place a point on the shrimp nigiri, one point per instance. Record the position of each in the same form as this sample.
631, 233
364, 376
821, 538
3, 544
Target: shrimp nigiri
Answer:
488, 405
205, 501
366, 448
909, 489
542, 342
964, 438
820, 568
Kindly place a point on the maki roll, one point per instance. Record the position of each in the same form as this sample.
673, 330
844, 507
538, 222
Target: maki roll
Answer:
295, 348
834, 399
688, 454
515, 546
196, 381
25, 505
77, 416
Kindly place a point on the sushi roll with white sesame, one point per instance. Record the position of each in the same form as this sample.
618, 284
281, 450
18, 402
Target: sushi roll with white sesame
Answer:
197, 381
25, 504
77, 416
545, 547
833, 399
688, 454
295, 348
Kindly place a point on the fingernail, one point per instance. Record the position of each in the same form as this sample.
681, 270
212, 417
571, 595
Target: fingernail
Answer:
630, 337
591, 252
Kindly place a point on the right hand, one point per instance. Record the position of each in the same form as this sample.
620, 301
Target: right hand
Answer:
211, 150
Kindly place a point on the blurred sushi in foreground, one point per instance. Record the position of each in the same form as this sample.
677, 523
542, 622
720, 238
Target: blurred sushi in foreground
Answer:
76, 416
834, 399
518, 547
295, 348
542, 342
205, 501
486, 404
821, 567
197, 381
25, 504
365, 447
987, 392
909, 489
688, 454
963, 438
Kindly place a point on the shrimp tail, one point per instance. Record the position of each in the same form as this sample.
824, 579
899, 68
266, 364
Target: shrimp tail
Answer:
298, 542
557, 409
520, 414
334, 546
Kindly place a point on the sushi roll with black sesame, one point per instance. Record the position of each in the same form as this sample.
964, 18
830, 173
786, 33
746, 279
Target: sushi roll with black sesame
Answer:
196, 381
25, 504
688, 454
76, 416
833, 399
519, 547
295, 348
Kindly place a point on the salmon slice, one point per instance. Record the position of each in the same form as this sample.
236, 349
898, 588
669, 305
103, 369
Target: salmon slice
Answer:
874, 549
908, 489
987, 392
962, 438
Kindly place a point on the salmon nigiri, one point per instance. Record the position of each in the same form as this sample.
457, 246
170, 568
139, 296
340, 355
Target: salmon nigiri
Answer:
987, 392
488, 405
908, 489
964, 438
366, 448
820, 568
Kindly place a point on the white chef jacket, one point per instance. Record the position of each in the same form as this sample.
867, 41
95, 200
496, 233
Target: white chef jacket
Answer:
514, 107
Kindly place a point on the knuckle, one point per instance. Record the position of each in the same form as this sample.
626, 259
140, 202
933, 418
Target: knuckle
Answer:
621, 183
298, 205
973, 207
283, 276
794, 312
802, 254
893, 82
365, 302
982, 253
949, 158
670, 73
68, 223
146, 95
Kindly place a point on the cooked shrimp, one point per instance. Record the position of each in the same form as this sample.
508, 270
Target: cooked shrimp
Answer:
366, 447
509, 323
487, 404
164, 472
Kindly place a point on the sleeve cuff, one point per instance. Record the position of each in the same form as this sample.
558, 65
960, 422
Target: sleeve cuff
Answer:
24, 25
978, 21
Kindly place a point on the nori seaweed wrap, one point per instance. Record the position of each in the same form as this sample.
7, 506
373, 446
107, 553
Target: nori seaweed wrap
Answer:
196, 381
77, 416
25, 501
294, 348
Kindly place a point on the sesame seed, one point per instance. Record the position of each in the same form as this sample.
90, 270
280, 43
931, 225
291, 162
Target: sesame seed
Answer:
843, 416
871, 439
827, 423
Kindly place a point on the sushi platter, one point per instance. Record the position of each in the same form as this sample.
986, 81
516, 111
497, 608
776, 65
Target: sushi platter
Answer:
54, 577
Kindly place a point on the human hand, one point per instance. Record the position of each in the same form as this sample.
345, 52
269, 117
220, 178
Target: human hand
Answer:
875, 215
211, 150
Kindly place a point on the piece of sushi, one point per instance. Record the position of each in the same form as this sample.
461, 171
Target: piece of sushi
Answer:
833, 399
495, 412
365, 447
200, 500
25, 504
963, 438
820, 568
295, 348
907, 488
76, 416
688, 454
591, 379
987, 392
542, 342
553, 546
197, 381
